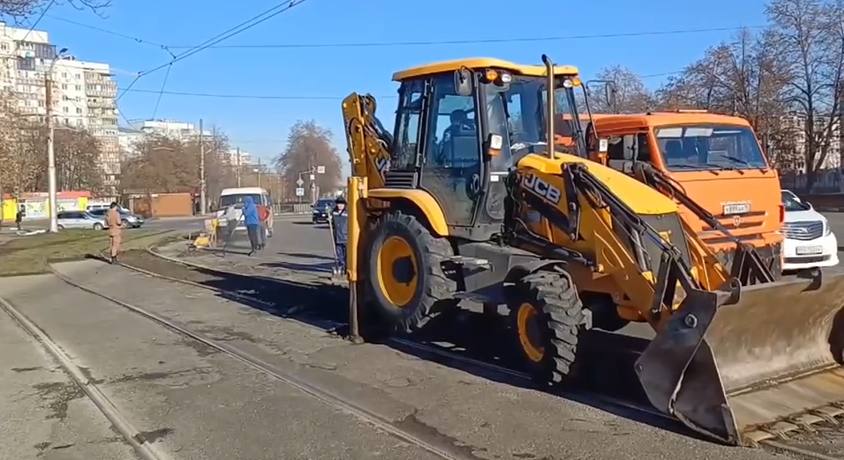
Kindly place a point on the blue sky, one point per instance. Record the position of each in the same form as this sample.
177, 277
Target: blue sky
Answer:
261, 126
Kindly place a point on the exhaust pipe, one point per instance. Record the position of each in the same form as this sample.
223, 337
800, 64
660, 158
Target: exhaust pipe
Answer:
549, 70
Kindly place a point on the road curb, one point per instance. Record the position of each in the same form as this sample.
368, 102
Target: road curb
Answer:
131, 434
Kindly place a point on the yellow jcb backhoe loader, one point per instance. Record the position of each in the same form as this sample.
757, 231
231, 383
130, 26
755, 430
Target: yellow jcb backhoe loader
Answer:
469, 199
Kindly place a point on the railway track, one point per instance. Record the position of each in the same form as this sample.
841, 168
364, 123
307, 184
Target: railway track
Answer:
435, 353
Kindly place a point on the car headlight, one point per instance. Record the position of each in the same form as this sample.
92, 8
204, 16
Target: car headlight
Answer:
826, 229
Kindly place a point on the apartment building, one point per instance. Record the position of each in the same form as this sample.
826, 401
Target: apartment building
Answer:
83, 93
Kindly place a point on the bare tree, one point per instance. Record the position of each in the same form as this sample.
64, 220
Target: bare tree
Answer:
742, 77
618, 89
23, 8
309, 145
161, 164
808, 37
78, 155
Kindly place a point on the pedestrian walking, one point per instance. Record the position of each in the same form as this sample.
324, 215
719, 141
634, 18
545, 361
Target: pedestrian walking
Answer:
340, 233
264, 215
115, 231
252, 221
19, 216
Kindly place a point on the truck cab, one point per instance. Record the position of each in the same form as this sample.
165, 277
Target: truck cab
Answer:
717, 161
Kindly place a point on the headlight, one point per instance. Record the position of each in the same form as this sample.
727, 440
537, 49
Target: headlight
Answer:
826, 230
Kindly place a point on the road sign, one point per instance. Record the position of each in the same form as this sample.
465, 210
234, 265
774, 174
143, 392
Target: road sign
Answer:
300, 191
313, 177
299, 182
320, 169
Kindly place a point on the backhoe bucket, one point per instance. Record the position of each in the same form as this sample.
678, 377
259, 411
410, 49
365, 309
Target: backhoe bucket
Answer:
746, 367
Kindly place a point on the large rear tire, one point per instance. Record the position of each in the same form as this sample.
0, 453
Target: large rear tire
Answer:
547, 316
405, 275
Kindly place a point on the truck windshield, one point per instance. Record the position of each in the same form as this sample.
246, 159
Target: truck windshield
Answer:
237, 200
517, 112
709, 147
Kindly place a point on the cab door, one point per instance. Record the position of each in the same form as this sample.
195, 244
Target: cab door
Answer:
451, 152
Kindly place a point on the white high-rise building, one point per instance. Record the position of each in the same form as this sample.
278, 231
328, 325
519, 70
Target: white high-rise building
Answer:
83, 93
178, 130
245, 157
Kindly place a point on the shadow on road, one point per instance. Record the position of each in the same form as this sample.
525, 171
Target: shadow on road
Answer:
305, 256
324, 267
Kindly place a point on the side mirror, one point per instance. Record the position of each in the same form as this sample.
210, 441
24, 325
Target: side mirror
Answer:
463, 82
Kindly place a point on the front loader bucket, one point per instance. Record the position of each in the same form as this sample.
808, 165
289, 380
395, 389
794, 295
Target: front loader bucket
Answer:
743, 368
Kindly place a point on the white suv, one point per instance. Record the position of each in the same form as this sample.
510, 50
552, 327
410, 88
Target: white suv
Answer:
809, 242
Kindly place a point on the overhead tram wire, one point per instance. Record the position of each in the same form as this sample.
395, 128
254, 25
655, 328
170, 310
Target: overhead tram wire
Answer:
480, 41
110, 32
408, 43
40, 16
161, 92
231, 32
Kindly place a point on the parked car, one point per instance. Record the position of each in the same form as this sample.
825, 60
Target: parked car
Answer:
322, 208
80, 219
809, 242
128, 219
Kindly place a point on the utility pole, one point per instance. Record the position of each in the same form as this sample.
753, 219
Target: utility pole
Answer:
51, 154
259, 171
202, 204
237, 162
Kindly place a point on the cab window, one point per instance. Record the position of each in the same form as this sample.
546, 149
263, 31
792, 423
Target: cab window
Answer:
408, 117
624, 151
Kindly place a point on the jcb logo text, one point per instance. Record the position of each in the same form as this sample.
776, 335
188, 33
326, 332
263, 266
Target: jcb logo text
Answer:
542, 188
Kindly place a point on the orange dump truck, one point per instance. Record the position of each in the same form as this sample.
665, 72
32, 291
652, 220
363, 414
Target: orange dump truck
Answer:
716, 161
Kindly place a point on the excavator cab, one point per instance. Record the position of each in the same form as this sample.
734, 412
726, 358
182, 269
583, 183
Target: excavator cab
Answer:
459, 130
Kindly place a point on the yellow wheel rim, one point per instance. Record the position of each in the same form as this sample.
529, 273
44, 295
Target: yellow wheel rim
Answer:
397, 270
528, 326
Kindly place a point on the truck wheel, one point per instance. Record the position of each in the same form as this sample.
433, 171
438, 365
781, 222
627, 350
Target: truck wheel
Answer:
98, 226
547, 316
405, 272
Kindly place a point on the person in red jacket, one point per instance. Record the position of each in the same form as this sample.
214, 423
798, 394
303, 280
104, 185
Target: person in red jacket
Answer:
264, 215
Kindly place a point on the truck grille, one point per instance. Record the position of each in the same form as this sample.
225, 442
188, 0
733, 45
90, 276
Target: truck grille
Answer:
803, 231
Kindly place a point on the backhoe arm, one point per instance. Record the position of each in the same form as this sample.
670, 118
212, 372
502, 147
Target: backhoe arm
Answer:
367, 140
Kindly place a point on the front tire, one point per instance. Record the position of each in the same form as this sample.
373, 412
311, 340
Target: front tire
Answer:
547, 316
405, 275
98, 226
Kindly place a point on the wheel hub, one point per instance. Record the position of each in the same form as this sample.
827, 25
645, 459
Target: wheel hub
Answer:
530, 332
397, 271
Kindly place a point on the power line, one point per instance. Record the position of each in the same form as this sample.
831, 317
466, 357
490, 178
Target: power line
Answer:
161, 92
231, 32
483, 41
243, 96
663, 74
40, 16
109, 32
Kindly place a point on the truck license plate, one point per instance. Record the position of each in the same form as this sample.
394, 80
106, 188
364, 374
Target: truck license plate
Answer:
736, 208
809, 250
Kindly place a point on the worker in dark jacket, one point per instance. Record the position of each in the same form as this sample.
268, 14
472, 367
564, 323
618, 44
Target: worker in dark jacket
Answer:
340, 228
252, 221
19, 216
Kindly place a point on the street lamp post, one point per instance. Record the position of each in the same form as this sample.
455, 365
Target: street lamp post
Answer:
202, 202
51, 154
